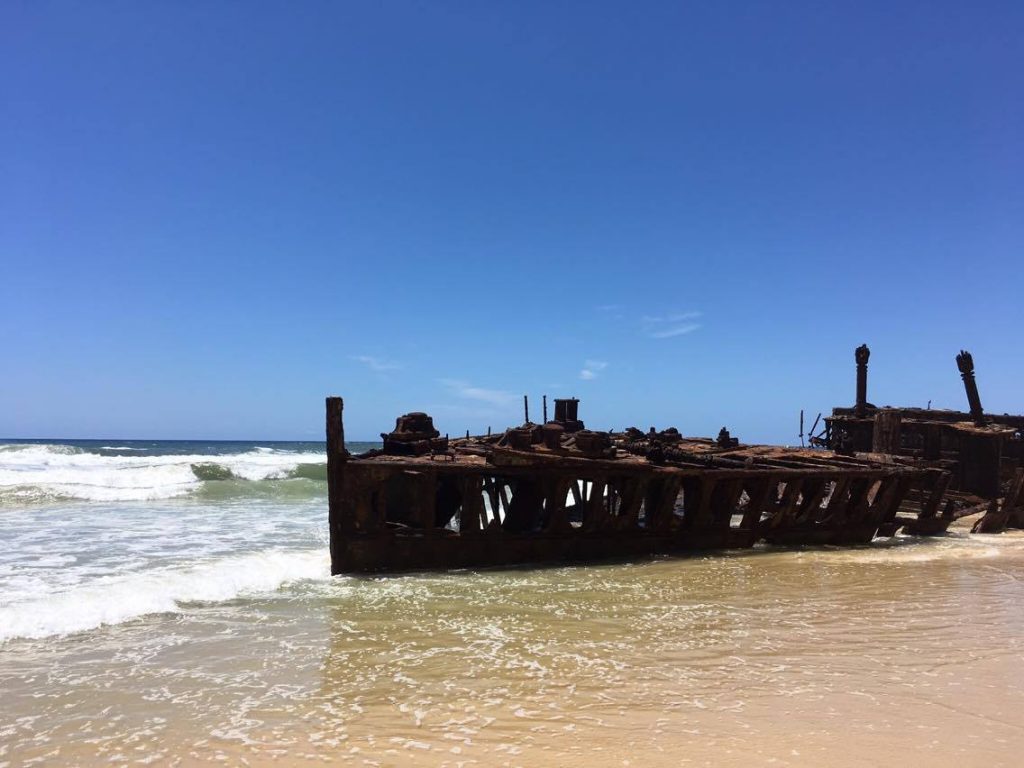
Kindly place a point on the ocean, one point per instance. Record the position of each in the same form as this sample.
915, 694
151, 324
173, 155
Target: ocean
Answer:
170, 603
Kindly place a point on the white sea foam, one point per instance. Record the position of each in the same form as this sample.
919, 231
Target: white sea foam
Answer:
118, 598
61, 471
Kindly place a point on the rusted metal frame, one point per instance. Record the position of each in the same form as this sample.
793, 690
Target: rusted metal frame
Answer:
851, 463
613, 502
993, 521
860, 499
782, 516
821, 514
359, 508
1014, 501
1016, 494
930, 505
759, 491
843, 496
556, 492
724, 499
582, 498
633, 491
692, 490
371, 511
810, 505
881, 496
504, 495
577, 492
829, 471
701, 506
886, 502
590, 468
490, 487
425, 484
364, 501
338, 511
595, 512
471, 515
931, 415
808, 463
838, 501
702, 462
660, 501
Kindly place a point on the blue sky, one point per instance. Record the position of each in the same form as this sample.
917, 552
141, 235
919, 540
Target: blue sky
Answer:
214, 214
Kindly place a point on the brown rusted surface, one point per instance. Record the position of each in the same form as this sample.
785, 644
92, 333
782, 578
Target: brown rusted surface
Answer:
965, 363
559, 492
981, 452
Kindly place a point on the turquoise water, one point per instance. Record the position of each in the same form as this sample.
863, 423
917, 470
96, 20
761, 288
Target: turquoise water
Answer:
102, 531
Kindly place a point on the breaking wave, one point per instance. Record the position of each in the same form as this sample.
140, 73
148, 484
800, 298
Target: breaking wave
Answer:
42, 472
118, 598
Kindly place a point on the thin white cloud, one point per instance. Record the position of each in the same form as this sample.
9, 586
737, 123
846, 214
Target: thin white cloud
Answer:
377, 364
591, 368
674, 318
495, 397
667, 326
675, 330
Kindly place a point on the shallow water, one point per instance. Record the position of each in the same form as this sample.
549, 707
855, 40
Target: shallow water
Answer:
189, 630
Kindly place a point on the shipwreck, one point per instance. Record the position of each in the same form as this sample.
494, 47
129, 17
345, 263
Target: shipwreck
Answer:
558, 492
978, 457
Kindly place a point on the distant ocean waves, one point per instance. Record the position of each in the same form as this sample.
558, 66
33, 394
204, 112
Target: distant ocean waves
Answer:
126, 471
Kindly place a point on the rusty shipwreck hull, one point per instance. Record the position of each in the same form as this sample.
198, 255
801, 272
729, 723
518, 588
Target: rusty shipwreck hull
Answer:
559, 493
978, 457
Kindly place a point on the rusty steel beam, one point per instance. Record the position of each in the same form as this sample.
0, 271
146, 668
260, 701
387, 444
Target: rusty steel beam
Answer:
965, 363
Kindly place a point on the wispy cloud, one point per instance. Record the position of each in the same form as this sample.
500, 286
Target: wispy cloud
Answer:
377, 364
467, 391
667, 326
591, 368
675, 330
614, 311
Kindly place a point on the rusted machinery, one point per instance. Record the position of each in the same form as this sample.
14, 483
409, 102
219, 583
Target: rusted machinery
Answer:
558, 492
983, 453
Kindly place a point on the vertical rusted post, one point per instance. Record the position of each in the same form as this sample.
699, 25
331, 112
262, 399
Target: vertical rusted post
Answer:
336, 458
940, 481
526, 410
472, 511
545, 409
861, 355
965, 363
886, 434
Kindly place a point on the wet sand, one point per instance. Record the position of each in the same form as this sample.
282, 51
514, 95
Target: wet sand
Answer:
908, 652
